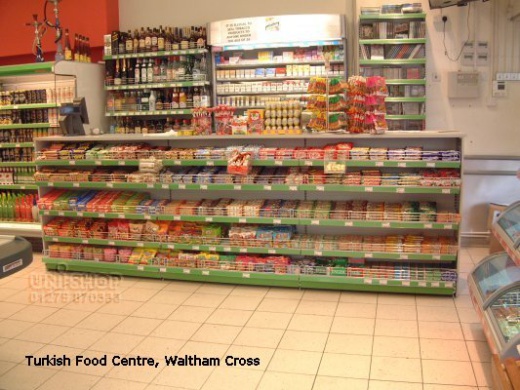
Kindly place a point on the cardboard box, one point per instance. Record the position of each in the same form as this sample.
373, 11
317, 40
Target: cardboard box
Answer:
493, 214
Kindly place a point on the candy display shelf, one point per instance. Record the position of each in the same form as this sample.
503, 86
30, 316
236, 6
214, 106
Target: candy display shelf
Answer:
260, 163
336, 278
254, 187
420, 285
386, 224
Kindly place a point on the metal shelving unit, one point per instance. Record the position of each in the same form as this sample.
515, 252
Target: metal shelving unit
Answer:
439, 268
387, 35
55, 78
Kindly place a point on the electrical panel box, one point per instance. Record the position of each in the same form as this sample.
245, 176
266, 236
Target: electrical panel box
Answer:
463, 85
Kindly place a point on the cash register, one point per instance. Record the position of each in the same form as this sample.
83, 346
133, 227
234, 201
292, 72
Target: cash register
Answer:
73, 116
15, 254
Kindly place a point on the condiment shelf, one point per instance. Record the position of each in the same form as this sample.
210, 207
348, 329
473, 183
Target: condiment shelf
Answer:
17, 164
281, 63
423, 283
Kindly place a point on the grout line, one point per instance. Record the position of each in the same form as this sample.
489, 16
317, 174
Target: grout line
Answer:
283, 335
327, 340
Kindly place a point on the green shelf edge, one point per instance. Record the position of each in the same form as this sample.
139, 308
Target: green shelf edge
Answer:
18, 187
419, 15
405, 100
29, 106
406, 82
413, 61
26, 126
405, 117
12, 145
169, 84
26, 69
256, 187
404, 41
255, 250
256, 220
17, 164
243, 277
265, 163
156, 54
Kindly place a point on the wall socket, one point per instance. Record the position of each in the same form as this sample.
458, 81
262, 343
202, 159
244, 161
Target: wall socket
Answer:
436, 77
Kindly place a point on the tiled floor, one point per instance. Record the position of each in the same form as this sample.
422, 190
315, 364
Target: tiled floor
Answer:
304, 339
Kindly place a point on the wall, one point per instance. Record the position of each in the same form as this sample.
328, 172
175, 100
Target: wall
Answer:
92, 18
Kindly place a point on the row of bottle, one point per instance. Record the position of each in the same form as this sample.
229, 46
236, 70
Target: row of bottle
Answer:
132, 126
18, 207
61, 94
17, 175
141, 71
81, 50
17, 155
10, 117
24, 135
158, 39
8, 98
165, 99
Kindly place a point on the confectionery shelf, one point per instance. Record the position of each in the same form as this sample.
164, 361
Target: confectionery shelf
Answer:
323, 250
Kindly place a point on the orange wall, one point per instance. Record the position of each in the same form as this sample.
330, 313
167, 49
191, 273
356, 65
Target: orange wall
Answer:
92, 18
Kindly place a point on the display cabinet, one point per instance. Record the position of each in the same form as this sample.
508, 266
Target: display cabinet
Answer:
495, 288
30, 98
266, 60
393, 45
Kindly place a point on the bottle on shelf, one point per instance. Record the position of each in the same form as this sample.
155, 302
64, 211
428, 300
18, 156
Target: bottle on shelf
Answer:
152, 101
144, 72
196, 97
160, 39
175, 98
129, 42
137, 72
76, 47
156, 71
182, 98
121, 45
123, 72
168, 39
162, 71
204, 98
67, 47
117, 74
135, 41
149, 71
142, 41
130, 72
148, 40
154, 38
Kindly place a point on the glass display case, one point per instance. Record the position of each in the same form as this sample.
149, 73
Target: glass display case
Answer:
495, 288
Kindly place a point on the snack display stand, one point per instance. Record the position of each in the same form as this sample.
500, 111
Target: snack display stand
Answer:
164, 207
31, 96
495, 292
